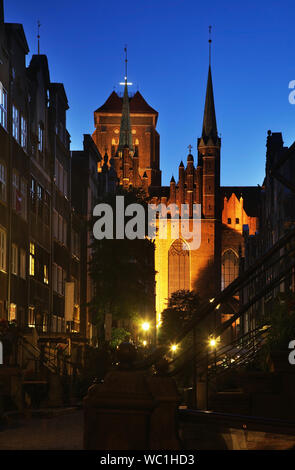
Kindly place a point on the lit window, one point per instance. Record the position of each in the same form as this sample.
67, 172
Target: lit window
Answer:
3, 106
14, 259
32, 259
22, 264
2, 250
229, 268
178, 267
23, 133
12, 312
15, 123
45, 274
2, 182
31, 317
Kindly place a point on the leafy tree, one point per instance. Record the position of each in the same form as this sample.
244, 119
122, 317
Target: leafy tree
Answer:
122, 270
180, 310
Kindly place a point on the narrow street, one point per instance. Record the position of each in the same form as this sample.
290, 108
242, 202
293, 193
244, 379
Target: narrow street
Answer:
63, 432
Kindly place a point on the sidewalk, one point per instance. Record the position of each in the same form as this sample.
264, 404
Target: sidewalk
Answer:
51, 429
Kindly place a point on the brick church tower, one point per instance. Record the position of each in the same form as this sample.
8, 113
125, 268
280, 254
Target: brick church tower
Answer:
129, 123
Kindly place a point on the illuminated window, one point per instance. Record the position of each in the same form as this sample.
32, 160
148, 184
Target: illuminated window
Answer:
136, 142
12, 312
229, 268
178, 267
3, 106
2, 250
31, 317
45, 274
32, 259
14, 259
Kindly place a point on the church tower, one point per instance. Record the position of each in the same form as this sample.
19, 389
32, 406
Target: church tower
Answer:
129, 121
209, 157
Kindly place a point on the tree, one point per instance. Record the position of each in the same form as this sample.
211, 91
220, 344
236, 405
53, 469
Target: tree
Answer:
180, 310
122, 270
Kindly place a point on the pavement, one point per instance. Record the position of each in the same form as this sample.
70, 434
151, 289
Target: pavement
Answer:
48, 429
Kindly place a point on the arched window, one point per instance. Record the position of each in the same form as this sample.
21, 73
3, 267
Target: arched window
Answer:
229, 268
178, 267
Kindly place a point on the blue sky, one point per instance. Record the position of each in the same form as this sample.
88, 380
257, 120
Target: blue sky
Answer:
252, 65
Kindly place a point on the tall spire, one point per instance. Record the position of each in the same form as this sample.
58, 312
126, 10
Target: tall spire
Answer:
125, 139
209, 121
38, 36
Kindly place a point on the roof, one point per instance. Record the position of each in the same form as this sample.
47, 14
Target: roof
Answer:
250, 194
137, 104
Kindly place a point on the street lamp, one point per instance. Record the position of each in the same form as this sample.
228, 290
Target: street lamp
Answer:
173, 347
145, 326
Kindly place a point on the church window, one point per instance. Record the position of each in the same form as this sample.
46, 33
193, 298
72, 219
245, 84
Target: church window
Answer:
178, 267
229, 268
136, 142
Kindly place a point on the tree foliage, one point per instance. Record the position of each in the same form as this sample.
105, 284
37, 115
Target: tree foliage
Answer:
122, 269
182, 305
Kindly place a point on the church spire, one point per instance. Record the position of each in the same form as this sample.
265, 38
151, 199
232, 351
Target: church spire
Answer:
209, 120
125, 139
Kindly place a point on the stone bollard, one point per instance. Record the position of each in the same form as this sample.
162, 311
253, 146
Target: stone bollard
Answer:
117, 412
163, 425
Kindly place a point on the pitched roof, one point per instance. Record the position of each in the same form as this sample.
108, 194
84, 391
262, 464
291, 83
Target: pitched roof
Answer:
250, 194
137, 103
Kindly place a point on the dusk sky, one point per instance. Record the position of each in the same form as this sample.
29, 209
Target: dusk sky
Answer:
252, 65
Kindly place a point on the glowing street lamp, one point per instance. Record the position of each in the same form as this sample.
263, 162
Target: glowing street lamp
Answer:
144, 343
212, 342
145, 326
173, 347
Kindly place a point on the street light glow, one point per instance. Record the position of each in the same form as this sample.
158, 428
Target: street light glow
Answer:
144, 342
174, 347
212, 342
145, 326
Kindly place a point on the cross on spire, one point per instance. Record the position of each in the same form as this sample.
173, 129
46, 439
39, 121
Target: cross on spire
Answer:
210, 41
190, 148
126, 62
38, 35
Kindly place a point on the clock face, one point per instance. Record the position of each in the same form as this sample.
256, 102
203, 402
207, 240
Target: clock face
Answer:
116, 131
133, 131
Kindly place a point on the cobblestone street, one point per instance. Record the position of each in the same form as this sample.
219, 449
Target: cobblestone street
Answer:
64, 432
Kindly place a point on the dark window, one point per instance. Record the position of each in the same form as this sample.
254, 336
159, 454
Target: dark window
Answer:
237, 221
229, 221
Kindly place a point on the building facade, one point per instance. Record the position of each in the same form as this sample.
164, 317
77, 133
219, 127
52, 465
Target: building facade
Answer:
226, 212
